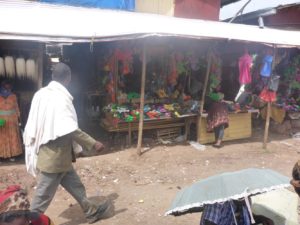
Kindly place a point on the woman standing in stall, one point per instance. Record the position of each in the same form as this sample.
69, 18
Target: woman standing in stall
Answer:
10, 140
217, 119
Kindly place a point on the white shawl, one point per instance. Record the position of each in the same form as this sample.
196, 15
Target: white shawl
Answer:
51, 115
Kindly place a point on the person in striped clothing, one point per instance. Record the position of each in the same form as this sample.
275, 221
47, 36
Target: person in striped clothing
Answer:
15, 209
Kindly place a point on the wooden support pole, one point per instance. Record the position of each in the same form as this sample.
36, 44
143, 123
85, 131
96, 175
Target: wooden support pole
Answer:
209, 59
116, 77
266, 134
141, 121
129, 134
39, 66
267, 125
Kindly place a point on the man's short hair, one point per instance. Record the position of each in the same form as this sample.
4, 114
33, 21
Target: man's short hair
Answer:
296, 171
296, 177
60, 72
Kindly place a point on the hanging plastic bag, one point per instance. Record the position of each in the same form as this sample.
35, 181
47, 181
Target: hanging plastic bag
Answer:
274, 83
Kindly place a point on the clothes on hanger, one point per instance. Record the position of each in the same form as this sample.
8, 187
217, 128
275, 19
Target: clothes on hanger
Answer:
266, 69
245, 63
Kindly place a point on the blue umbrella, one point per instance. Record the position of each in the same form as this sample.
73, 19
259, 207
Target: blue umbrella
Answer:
224, 187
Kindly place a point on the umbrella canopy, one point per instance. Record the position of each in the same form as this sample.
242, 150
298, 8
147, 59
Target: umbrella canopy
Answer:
226, 186
280, 206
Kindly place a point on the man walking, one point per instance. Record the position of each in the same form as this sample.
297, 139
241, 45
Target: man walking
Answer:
52, 136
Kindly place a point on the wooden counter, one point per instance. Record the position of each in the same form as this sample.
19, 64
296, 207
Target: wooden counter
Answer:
239, 127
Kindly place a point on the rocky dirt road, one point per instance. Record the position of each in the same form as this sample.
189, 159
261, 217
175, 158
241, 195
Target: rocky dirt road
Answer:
141, 188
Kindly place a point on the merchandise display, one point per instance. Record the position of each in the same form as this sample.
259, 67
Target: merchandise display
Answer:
170, 90
131, 112
9, 66
175, 81
20, 68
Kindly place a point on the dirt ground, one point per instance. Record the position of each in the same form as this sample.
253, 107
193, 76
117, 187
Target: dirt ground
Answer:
141, 189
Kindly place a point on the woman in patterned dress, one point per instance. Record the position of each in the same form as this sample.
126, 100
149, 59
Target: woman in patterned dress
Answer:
217, 119
10, 140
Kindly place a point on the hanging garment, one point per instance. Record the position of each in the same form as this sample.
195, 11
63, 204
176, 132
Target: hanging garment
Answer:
215, 73
245, 63
21, 67
266, 69
9, 66
173, 76
30, 69
241, 91
2, 67
267, 96
277, 114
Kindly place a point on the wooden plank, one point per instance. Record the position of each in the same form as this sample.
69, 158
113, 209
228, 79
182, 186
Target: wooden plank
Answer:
266, 133
135, 128
209, 59
151, 124
39, 66
129, 133
169, 133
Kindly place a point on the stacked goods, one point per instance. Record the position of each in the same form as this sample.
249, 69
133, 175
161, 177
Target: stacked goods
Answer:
9, 66
21, 67
2, 67
30, 69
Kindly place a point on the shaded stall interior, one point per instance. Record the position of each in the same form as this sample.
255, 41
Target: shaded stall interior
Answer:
100, 78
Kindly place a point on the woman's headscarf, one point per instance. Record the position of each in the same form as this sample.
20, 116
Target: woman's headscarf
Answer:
216, 96
3, 91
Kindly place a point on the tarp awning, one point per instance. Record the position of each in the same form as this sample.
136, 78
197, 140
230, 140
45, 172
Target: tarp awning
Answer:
52, 23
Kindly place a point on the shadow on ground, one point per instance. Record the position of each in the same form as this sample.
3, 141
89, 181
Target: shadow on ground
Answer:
75, 215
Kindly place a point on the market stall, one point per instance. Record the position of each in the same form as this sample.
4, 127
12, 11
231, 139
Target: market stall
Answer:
131, 26
178, 81
21, 64
173, 81
265, 81
284, 107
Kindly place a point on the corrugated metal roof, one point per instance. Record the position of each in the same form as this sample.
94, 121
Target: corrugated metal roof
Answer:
47, 22
230, 10
226, 2
261, 13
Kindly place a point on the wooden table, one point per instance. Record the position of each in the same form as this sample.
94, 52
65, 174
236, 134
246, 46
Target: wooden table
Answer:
150, 124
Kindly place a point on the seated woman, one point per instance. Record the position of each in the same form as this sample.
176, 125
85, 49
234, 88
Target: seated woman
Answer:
14, 209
